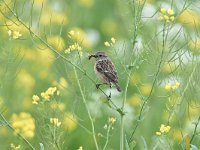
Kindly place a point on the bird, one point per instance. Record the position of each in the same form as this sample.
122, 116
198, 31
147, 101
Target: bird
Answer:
105, 70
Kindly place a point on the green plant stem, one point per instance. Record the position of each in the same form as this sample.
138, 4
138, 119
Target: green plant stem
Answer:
107, 137
21, 136
88, 112
122, 114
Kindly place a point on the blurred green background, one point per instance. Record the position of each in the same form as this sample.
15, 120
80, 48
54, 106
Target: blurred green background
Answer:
163, 59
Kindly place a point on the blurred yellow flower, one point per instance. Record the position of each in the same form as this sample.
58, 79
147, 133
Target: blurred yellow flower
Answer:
80, 148
107, 44
168, 68
109, 27
113, 40
190, 18
194, 45
170, 12
136, 78
61, 84
73, 47
48, 93
55, 122
177, 135
25, 80
86, 3
48, 17
146, 89
112, 120
163, 129
58, 105
15, 147
158, 133
134, 100
39, 2
166, 15
172, 86
23, 124
69, 122
163, 10
80, 37
35, 99
57, 42
14, 34
172, 18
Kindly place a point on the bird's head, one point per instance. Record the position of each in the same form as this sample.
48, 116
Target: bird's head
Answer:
98, 55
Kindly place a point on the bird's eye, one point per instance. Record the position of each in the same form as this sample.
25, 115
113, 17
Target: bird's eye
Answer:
100, 55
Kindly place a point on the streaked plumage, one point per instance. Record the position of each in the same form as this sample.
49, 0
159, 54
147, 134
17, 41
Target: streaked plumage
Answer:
105, 69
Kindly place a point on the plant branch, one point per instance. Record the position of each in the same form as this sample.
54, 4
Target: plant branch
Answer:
88, 112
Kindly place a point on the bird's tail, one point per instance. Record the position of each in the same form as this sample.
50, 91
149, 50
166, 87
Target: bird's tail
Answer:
118, 87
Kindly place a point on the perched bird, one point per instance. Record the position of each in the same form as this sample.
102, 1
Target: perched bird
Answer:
105, 70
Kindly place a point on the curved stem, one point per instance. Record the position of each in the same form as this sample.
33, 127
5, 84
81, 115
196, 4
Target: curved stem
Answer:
21, 136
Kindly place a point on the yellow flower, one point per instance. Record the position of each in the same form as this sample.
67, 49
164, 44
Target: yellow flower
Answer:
170, 12
48, 17
86, 3
113, 40
164, 129
15, 147
161, 18
23, 124
168, 87
45, 96
14, 34
57, 42
107, 44
69, 122
79, 36
35, 99
163, 10
80, 148
55, 122
172, 18
166, 18
189, 18
134, 100
146, 89
158, 133
48, 93
111, 120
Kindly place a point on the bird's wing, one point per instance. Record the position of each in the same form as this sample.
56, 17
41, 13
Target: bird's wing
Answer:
106, 67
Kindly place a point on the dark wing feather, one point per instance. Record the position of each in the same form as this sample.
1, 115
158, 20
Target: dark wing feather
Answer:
106, 67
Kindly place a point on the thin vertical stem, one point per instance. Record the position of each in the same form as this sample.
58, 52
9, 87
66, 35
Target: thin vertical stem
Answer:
122, 114
88, 112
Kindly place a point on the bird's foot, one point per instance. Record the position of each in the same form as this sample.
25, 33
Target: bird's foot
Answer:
97, 86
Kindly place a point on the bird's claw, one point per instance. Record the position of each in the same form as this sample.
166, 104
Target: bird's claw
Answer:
97, 86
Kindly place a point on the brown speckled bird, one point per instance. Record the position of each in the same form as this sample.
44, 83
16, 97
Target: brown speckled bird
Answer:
105, 70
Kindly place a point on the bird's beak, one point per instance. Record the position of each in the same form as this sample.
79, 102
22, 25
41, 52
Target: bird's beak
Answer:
92, 56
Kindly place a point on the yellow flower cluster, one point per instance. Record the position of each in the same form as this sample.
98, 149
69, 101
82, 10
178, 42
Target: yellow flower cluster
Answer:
14, 34
55, 122
166, 15
45, 95
75, 36
74, 47
80, 148
108, 44
112, 120
15, 147
163, 129
23, 124
171, 87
